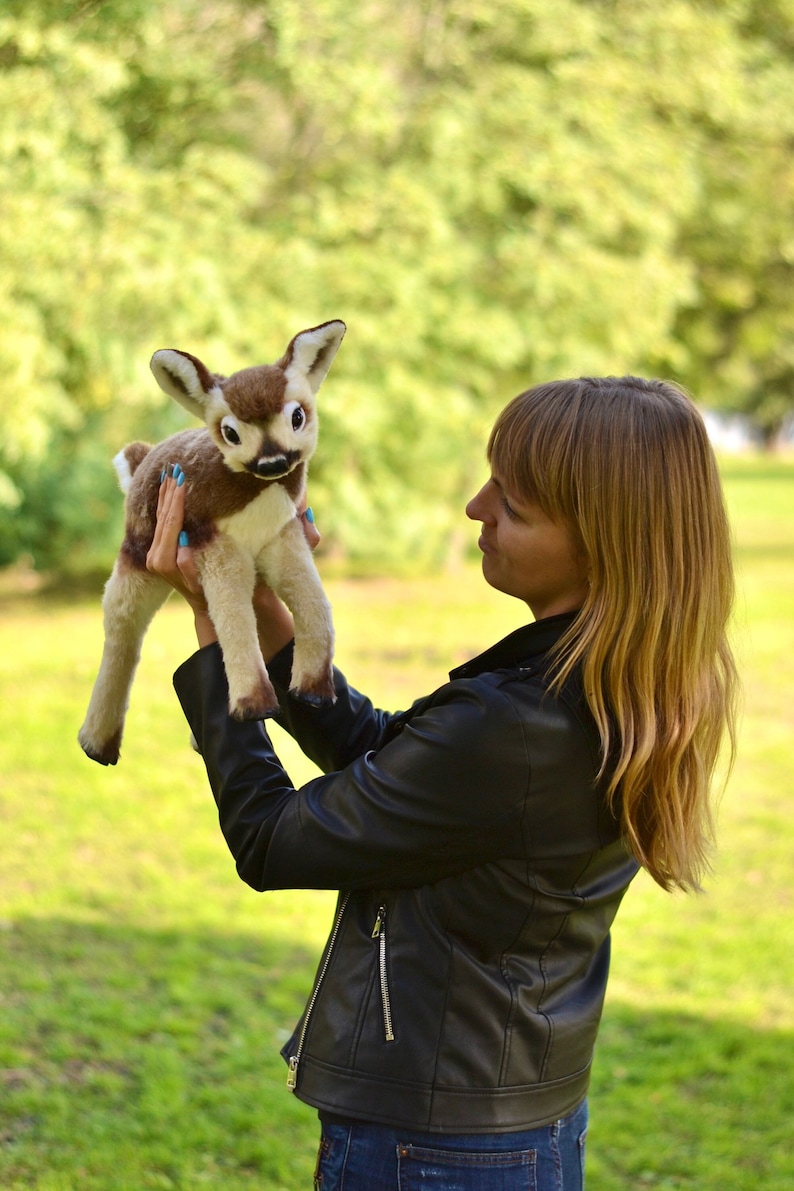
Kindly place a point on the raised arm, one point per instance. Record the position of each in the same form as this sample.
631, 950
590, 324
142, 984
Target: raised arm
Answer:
419, 808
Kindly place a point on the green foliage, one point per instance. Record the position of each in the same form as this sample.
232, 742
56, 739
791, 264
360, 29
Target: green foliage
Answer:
488, 194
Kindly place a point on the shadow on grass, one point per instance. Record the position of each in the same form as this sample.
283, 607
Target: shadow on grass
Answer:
134, 1058
687, 1102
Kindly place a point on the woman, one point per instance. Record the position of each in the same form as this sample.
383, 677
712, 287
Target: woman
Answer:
483, 840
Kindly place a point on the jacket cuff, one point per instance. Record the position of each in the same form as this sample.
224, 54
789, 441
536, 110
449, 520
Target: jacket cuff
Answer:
202, 671
280, 667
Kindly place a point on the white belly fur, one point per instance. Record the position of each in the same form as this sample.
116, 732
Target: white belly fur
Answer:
261, 520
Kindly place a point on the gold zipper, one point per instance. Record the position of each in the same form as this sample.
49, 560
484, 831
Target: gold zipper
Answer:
292, 1073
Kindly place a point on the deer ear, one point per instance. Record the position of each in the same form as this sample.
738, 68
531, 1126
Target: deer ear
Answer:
184, 378
311, 352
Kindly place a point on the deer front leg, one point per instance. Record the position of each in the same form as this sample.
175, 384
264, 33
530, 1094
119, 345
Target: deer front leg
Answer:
287, 565
227, 576
130, 601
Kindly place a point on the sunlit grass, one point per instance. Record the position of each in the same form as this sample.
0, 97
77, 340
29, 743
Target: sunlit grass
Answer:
145, 992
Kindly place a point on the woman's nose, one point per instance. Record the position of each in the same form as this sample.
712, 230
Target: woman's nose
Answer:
476, 509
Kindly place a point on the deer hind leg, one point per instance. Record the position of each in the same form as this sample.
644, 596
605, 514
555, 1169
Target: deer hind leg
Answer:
289, 568
131, 599
227, 576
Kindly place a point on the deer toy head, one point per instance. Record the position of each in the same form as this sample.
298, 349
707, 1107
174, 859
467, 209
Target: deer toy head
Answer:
245, 481
263, 420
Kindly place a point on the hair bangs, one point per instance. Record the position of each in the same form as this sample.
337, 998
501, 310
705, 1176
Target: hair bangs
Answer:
531, 450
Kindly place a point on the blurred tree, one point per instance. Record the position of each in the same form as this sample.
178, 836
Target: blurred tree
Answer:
104, 252
739, 331
489, 193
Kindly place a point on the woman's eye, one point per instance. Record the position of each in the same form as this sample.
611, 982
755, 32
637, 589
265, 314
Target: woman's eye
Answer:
508, 508
230, 434
298, 418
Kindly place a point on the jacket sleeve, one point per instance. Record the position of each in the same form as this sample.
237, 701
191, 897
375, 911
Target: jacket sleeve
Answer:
332, 736
425, 806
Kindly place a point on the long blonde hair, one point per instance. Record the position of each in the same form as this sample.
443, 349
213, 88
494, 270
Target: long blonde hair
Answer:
626, 463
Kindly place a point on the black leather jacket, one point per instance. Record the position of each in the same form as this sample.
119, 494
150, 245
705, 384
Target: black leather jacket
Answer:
463, 982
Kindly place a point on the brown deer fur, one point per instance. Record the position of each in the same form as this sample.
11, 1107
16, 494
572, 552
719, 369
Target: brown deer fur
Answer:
245, 478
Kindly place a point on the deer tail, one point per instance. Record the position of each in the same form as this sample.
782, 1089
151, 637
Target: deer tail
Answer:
127, 460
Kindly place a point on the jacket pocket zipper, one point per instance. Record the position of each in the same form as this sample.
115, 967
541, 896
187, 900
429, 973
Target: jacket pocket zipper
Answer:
379, 933
292, 1073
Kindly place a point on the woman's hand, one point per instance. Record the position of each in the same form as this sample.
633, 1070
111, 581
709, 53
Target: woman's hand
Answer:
170, 555
310, 530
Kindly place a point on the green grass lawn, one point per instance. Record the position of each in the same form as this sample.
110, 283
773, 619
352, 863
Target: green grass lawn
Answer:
145, 991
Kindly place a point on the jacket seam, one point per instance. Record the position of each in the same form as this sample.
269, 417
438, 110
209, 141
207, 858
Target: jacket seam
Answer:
544, 1065
361, 1016
443, 1016
526, 834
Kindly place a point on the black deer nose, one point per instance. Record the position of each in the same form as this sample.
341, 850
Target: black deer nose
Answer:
270, 468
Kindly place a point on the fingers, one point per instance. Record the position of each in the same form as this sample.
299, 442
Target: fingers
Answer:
170, 555
161, 494
310, 530
162, 556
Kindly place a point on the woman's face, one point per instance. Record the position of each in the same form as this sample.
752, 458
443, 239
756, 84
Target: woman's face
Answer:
527, 555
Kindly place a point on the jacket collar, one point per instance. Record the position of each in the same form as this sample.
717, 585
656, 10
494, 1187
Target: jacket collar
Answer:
527, 642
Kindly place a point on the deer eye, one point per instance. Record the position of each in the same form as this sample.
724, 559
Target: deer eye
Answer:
298, 418
229, 433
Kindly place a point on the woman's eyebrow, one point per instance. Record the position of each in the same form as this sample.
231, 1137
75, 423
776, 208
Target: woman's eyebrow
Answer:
506, 492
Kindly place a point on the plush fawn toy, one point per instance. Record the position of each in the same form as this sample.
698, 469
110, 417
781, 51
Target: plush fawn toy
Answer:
246, 477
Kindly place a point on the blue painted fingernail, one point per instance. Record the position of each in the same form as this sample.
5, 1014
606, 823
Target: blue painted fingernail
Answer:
310, 515
180, 479
162, 475
177, 471
183, 538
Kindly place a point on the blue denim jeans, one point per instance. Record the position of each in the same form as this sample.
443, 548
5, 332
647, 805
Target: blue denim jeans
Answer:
362, 1157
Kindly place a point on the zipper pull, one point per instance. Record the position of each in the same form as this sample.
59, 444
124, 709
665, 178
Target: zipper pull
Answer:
378, 923
292, 1073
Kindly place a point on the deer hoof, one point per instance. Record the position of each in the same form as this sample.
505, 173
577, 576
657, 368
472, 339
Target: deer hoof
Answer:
104, 754
317, 694
253, 709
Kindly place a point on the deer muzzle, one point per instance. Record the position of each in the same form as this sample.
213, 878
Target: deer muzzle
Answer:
273, 467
